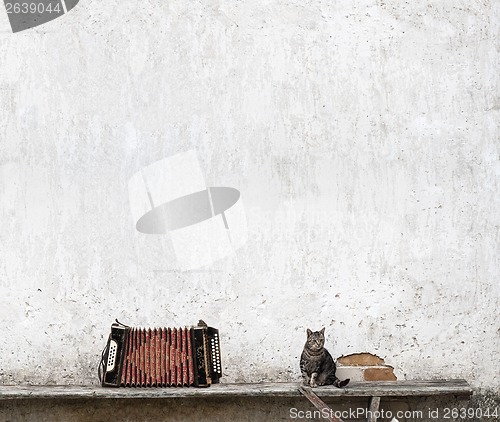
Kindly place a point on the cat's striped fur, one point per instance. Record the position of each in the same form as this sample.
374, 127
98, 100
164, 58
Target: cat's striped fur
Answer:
316, 364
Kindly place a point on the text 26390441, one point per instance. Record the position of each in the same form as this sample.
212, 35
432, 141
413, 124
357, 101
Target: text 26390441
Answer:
33, 7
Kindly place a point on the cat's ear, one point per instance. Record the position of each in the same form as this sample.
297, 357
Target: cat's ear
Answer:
323, 331
309, 332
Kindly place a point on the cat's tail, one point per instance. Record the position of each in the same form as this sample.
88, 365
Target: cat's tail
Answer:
340, 384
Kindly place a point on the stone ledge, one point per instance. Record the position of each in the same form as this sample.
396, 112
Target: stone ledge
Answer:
356, 389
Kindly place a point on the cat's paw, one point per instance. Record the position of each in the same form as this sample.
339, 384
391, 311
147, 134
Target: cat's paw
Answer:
313, 384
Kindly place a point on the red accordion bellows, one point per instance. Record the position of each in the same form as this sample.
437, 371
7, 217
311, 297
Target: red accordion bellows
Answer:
158, 357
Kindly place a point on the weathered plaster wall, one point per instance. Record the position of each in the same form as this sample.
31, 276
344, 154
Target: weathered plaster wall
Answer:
363, 136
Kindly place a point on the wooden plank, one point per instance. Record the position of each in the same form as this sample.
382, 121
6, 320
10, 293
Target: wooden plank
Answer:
319, 404
373, 409
406, 388
359, 389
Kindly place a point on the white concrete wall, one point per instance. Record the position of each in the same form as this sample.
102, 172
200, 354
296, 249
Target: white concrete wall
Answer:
363, 135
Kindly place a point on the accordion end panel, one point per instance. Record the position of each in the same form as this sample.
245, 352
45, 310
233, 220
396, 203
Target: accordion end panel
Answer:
161, 357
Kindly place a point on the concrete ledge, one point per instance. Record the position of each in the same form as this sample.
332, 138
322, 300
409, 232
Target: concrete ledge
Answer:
356, 389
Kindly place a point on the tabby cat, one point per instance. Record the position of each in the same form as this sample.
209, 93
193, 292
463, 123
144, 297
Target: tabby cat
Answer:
316, 363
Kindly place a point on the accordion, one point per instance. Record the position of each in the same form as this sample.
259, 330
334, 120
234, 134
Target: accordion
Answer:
161, 357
